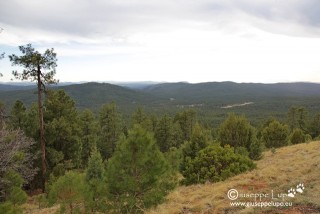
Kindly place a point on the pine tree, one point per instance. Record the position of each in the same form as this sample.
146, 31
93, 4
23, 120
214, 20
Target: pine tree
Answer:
297, 136
215, 163
297, 117
17, 115
164, 133
95, 169
275, 135
235, 131
139, 117
14, 192
177, 135
199, 140
31, 126
70, 191
137, 173
186, 120
35, 64
154, 122
14, 195
315, 126
88, 134
62, 130
95, 178
110, 129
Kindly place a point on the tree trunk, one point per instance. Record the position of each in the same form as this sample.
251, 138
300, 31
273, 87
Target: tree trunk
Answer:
41, 129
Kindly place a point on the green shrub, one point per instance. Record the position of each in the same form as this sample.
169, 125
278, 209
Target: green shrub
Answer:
199, 140
96, 181
69, 190
275, 135
255, 150
297, 136
236, 131
215, 163
8, 208
13, 188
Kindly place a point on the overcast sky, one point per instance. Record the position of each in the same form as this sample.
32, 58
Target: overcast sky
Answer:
168, 40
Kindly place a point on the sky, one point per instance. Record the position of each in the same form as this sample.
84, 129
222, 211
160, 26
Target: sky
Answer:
168, 40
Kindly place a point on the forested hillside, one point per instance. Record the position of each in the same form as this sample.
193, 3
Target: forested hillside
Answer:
85, 151
86, 95
213, 101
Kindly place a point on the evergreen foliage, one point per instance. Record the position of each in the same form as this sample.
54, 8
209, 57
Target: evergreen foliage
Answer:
297, 117
139, 117
110, 129
95, 178
137, 173
297, 136
199, 140
186, 120
275, 135
255, 150
89, 130
315, 126
14, 196
70, 191
17, 115
39, 68
141, 165
31, 123
62, 130
164, 133
215, 163
235, 131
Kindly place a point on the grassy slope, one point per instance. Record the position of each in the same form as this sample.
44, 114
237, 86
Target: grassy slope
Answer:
279, 172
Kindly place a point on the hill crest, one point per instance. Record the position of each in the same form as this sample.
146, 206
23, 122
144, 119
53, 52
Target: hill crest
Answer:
276, 173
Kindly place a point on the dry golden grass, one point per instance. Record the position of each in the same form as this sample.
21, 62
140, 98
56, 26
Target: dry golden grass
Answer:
32, 208
280, 171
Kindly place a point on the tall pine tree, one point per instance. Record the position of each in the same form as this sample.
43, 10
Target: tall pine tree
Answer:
62, 130
110, 129
96, 180
137, 173
17, 115
164, 134
40, 68
89, 134
186, 120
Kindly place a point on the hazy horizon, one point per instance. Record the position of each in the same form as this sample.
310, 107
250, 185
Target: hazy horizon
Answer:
148, 82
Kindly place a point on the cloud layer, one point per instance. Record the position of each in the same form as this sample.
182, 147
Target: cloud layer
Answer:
267, 40
98, 19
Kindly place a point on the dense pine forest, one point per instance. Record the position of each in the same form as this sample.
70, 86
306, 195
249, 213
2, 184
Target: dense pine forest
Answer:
89, 156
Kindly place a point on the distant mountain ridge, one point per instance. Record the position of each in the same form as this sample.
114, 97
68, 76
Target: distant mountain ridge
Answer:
86, 95
298, 88
210, 98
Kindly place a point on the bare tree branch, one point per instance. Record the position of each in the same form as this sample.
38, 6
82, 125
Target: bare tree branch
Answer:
15, 155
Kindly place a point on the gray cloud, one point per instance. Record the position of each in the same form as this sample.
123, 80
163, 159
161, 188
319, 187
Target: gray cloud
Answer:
118, 18
296, 17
